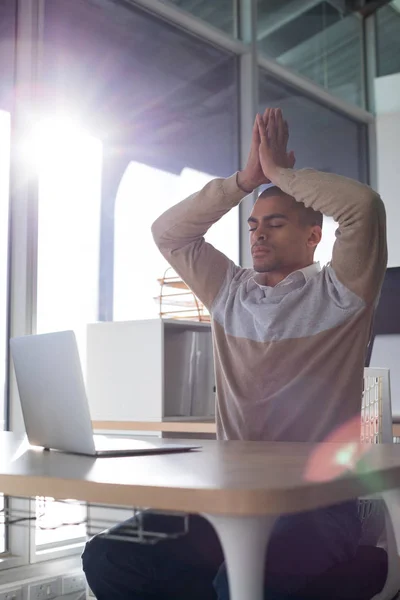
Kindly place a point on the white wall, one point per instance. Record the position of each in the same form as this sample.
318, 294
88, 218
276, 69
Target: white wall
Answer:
387, 96
387, 90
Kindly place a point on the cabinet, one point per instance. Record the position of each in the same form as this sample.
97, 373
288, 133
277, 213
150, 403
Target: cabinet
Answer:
152, 370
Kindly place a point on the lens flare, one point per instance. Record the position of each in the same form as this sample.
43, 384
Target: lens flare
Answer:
340, 453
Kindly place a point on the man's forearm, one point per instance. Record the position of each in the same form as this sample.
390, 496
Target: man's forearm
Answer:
339, 197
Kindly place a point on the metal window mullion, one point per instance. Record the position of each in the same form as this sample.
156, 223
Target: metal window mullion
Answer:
248, 108
371, 62
371, 73
24, 188
23, 224
363, 66
373, 179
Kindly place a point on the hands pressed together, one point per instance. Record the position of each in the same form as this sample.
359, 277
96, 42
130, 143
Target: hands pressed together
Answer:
268, 150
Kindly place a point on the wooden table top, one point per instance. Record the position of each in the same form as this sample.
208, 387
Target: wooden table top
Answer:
162, 426
232, 478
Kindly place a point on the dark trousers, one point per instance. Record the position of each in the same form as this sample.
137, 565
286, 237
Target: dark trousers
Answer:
301, 547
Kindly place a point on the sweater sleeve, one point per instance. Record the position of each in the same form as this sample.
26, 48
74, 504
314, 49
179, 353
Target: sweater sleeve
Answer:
179, 235
359, 255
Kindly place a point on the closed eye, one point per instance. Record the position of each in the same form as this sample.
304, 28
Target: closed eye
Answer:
269, 227
271, 221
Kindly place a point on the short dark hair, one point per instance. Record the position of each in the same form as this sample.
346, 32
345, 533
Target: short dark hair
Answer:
308, 216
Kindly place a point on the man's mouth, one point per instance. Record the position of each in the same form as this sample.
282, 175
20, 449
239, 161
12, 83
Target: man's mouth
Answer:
260, 250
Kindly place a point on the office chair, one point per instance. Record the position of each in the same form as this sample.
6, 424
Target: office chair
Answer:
374, 573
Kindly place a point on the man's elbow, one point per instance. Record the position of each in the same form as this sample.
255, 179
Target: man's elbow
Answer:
372, 202
158, 231
372, 197
373, 211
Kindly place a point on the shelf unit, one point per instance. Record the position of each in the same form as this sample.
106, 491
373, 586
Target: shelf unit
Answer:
156, 370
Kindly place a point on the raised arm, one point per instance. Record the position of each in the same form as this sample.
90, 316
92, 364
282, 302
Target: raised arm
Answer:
360, 253
179, 232
179, 235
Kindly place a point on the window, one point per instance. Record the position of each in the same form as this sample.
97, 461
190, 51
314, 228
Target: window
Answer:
220, 14
388, 39
317, 40
69, 164
58, 523
136, 297
170, 125
322, 139
8, 13
139, 115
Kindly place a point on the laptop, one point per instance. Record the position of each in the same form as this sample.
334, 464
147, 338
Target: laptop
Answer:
54, 402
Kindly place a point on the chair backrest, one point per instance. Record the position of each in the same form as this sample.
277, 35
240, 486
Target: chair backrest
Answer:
376, 428
376, 407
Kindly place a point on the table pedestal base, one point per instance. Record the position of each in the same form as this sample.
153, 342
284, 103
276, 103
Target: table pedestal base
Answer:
392, 512
244, 542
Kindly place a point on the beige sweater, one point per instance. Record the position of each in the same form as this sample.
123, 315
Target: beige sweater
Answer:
288, 360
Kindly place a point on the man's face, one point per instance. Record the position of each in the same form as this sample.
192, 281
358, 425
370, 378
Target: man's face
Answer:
278, 238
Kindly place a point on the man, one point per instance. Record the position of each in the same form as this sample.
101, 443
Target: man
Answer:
289, 346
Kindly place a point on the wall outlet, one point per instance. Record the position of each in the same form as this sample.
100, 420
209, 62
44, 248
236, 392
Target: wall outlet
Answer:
11, 594
44, 591
76, 582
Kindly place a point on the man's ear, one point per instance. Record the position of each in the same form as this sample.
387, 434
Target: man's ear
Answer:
315, 236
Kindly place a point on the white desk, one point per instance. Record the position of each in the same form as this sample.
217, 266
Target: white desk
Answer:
241, 487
